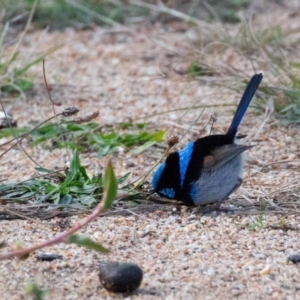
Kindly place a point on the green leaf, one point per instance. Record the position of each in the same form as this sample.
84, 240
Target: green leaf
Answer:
122, 179
43, 170
89, 200
144, 147
6, 132
110, 186
24, 85
158, 135
27, 195
77, 172
66, 199
75, 163
56, 198
83, 189
36, 292
87, 243
197, 69
295, 65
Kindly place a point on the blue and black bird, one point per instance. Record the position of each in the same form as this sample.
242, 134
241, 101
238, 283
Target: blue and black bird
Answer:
210, 169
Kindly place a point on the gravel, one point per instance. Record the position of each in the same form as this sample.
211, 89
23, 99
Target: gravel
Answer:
213, 256
183, 255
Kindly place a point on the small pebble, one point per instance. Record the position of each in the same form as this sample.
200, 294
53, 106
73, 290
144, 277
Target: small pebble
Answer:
6, 120
130, 164
295, 258
120, 277
266, 270
48, 257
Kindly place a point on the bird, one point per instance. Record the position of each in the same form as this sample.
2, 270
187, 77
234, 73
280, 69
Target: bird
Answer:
208, 170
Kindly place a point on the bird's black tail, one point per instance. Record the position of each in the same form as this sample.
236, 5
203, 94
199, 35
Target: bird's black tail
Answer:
244, 103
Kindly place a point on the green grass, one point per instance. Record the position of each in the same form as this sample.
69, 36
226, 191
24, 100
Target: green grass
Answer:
92, 137
198, 69
13, 67
110, 187
59, 14
72, 187
227, 10
257, 223
35, 291
267, 48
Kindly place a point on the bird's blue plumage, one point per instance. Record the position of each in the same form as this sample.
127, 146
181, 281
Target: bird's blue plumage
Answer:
244, 103
194, 192
184, 159
157, 175
209, 169
168, 192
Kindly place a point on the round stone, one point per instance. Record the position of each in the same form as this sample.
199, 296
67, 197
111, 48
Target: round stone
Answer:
295, 258
120, 277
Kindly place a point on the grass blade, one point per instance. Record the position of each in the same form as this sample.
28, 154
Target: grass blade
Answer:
110, 186
86, 242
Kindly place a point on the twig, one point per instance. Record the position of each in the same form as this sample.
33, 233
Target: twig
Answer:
15, 137
144, 176
53, 107
23, 136
23, 33
69, 111
63, 237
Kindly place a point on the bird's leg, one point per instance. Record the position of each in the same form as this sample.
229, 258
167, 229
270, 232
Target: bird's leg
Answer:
217, 206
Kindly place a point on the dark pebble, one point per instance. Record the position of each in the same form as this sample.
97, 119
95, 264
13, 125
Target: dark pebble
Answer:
130, 165
120, 277
295, 258
48, 257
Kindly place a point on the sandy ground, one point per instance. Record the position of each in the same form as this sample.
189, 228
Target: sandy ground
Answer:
132, 73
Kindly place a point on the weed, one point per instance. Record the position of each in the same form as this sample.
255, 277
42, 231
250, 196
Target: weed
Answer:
59, 14
257, 223
227, 10
69, 236
35, 291
269, 48
92, 137
13, 68
197, 69
74, 187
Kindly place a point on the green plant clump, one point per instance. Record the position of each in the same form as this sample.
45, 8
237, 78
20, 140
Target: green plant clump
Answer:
13, 67
92, 137
73, 188
59, 14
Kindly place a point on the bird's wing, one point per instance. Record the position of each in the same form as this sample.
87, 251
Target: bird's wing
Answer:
222, 155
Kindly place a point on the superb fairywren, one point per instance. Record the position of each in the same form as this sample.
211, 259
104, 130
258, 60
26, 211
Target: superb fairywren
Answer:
209, 169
